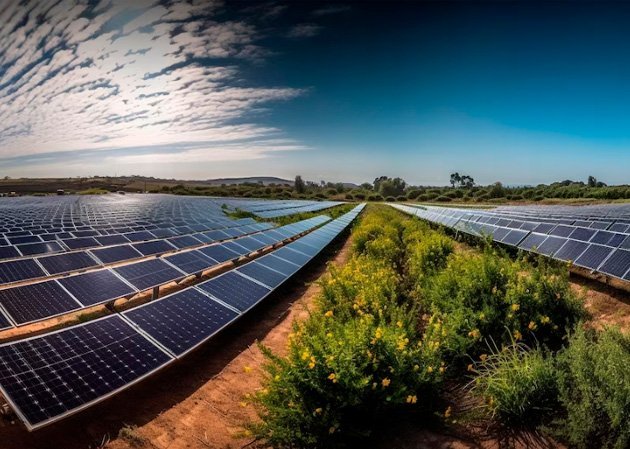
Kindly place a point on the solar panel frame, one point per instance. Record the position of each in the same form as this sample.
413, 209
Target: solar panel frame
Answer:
223, 288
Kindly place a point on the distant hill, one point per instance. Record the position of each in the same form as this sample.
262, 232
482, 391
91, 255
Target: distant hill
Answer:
266, 180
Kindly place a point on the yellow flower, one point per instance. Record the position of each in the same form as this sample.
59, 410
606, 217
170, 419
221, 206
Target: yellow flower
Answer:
442, 369
385, 382
333, 377
429, 369
545, 319
412, 399
448, 411
247, 369
328, 314
483, 357
332, 430
531, 326
318, 411
329, 334
399, 324
470, 367
379, 333
515, 307
276, 377
305, 355
474, 333
416, 367
482, 316
518, 335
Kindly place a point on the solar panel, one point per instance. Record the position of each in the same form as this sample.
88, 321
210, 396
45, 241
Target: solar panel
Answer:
551, 245
116, 254
582, 234
602, 237
107, 240
96, 287
19, 270
64, 263
250, 244
562, 231
155, 247
51, 376
24, 239
499, 233
233, 246
149, 274
266, 239
34, 302
292, 256
191, 262
304, 248
514, 237
571, 250
184, 241
235, 290
140, 236
219, 253
532, 241
8, 252
183, 320
283, 266
261, 273
81, 243
4, 322
31, 249
616, 240
617, 264
216, 235
593, 256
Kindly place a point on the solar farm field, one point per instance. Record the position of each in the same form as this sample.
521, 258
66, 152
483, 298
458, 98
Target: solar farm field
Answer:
165, 321
150, 277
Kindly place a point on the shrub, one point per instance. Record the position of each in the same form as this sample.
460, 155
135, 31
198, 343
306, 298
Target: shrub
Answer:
375, 197
413, 194
401, 198
427, 255
349, 196
594, 383
390, 199
517, 385
444, 199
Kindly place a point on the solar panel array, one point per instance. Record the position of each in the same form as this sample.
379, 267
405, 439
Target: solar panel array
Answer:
275, 209
51, 376
596, 238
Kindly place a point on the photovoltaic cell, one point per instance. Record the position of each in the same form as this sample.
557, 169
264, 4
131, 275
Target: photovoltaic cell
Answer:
34, 302
64, 263
582, 234
593, 256
116, 254
235, 290
281, 265
532, 241
261, 273
81, 243
31, 249
617, 264
96, 287
8, 252
108, 240
292, 256
571, 250
149, 274
551, 245
219, 253
19, 270
155, 247
183, 320
51, 376
192, 262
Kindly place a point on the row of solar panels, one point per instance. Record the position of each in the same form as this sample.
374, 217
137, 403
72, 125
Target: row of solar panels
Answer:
32, 245
586, 212
597, 250
49, 377
20, 270
298, 210
25, 304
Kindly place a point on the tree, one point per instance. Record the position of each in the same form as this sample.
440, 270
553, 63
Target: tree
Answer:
378, 181
497, 190
467, 181
299, 184
366, 186
592, 181
392, 187
455, 179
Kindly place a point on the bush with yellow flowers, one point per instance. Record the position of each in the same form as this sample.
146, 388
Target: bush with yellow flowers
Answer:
340, 376
484, 297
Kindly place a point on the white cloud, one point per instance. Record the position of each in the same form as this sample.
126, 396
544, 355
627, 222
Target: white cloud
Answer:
304, 30
73, 84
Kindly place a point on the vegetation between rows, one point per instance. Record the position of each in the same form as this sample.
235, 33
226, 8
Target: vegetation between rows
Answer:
408, 315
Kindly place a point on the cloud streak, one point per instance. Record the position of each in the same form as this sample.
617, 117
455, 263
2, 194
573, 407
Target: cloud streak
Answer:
123, 74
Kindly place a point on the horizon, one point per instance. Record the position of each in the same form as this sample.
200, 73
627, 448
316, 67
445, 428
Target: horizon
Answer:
340, 91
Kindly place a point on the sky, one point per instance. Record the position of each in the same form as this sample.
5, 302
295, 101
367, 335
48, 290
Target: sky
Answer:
522, 93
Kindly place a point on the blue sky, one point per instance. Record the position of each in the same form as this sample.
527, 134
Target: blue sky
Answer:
523, 93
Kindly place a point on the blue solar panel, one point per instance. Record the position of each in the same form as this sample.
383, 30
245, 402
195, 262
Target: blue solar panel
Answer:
571, 250
532, 241
140, 236
183, 320
250, 244
53, 375
593, 256
81, 243
184, 241
31, 249
24, 239
8, 252
235, 290
149, 274
292, 256
617, 264
261, 273
64, 263
219, 253
116, 254
19, 270
4, 322
551, 245
155, 247
107, 240
216, 235
304, 248
34, 302
562, 231
582, 234
281, 265
235, 247
96, 287
191, 262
